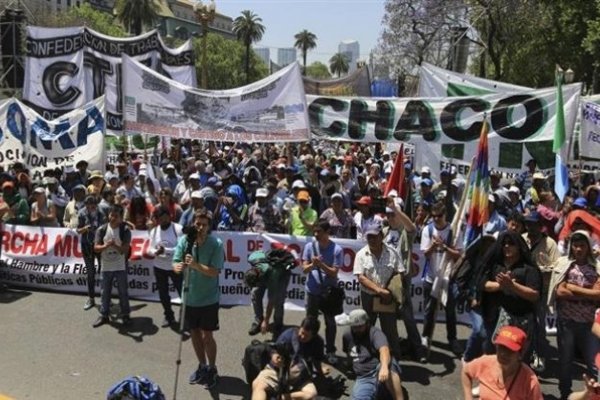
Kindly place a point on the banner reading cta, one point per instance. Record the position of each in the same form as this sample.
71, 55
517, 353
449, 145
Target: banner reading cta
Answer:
40, 144
66, 68
521, 125
270, 110
590, 130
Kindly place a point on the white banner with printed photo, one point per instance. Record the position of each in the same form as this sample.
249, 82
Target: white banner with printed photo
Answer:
51, 259
270, 110
40, 144
589, 138
66, 68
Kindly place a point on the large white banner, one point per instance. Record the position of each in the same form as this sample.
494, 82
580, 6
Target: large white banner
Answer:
51, 259
66, 68
590, 130
40, 144
270, 110
521, 125
439, 82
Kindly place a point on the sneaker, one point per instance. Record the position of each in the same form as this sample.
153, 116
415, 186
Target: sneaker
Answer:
538, 364
331, 358
89, 303
254, 329
100, 321
199, 375
167, 322
456, 348
475, 391
211, 378
426, 342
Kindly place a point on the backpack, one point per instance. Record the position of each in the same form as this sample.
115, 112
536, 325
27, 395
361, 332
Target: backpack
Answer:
256, 357
135, 388
466, 275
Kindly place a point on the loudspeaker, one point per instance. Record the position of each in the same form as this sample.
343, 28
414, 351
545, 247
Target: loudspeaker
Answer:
12, 24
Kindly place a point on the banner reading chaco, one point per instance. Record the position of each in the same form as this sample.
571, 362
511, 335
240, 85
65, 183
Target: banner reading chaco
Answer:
40, 144
590, 130
51, 259
66, 68
521, 124
270, 110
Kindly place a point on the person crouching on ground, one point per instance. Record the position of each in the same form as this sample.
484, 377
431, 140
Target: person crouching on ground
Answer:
502, 375
366, 347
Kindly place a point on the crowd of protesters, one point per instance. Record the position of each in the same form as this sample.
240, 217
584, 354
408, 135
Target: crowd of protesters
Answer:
535, 252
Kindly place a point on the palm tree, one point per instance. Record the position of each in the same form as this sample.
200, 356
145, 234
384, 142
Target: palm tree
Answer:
249, 29
338, 64
135, 14
305, 41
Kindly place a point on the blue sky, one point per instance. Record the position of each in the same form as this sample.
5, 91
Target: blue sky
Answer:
332, 21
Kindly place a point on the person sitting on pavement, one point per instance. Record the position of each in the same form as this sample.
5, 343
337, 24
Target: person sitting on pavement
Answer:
307, 355
366, 347
502, 375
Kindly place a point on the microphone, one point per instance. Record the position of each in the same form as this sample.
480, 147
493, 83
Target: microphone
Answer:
192, 234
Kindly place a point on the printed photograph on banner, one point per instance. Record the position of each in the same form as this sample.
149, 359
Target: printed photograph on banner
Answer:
270, 110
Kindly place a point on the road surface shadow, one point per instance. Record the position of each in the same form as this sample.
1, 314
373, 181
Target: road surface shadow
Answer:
8, 296
137, 328
230, 386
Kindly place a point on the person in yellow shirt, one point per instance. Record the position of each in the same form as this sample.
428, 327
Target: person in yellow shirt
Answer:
302, 217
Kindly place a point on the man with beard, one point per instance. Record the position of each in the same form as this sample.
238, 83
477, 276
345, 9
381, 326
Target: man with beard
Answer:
163, 239
377, 373
202, 295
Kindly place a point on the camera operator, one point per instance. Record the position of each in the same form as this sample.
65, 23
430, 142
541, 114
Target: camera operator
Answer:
203, 256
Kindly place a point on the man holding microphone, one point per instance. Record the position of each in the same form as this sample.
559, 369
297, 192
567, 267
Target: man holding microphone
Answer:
202, 255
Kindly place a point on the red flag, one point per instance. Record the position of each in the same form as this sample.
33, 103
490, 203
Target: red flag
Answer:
396, 181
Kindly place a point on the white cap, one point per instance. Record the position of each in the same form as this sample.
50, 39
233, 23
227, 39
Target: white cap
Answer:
262, 192
393, 193
196, 194
170, 166
298, 184
514, 189
491, 198
425, 170
281, 166
195, 176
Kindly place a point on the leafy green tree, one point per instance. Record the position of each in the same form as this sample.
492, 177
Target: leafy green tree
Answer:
225, 64
249, 29
84, 15
135, 14
338, 64
318, 70
305, 41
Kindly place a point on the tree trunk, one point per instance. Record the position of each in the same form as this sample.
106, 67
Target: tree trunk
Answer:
247, 67
304, 62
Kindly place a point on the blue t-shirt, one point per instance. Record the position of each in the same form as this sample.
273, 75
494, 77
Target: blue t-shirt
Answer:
314, 350
332, 255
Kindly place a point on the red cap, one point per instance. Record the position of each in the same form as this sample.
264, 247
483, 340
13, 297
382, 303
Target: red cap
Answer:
365, 201
511, 337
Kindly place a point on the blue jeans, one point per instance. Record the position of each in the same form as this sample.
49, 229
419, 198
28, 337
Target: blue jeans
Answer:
108, 277
368, 387
475, 343
571, 334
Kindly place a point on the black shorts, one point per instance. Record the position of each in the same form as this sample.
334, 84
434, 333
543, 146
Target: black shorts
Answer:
205, 318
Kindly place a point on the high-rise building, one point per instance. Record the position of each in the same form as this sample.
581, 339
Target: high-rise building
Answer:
352, 51
286, 56
264, 53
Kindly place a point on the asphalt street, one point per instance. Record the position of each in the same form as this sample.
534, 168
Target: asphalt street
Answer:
49, 351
